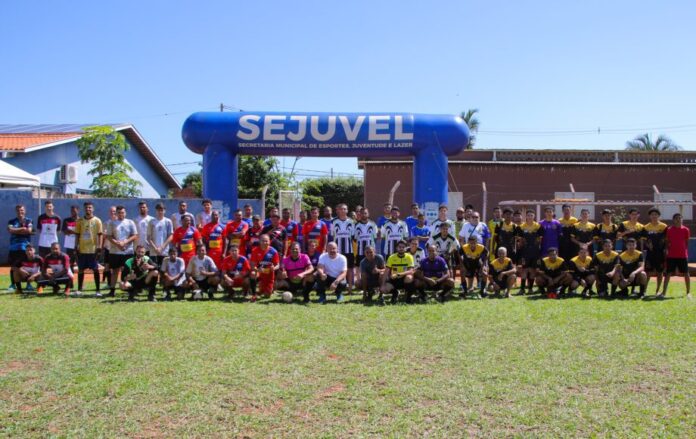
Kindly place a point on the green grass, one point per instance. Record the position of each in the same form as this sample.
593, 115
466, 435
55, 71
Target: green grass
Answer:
517, 367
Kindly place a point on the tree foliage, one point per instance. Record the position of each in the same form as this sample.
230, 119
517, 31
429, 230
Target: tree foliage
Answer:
104, 148
645, 143
194, 181
328, 191
472, 122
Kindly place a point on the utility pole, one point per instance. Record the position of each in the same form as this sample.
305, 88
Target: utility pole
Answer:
222, 107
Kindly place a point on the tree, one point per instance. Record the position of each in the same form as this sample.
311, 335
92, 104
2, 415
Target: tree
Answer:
194, 181
645, 143
472, 122
255, 172
326, 191
104, 148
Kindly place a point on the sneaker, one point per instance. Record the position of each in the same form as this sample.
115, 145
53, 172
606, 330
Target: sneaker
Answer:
339, 298
11, 289
476, 296
506, 294
151, 299
552, 296
380, 301
39, 290
322, 299
660, 296
253, 298
77, 293
98, 295
29, 288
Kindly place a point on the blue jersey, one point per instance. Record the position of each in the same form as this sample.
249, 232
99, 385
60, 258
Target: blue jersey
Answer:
329, 227
19, 242
420, 231
412, 222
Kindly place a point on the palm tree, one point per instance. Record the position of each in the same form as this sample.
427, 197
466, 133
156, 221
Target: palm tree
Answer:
645, 143
472, 122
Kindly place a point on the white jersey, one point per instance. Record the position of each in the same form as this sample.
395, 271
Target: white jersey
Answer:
445, 245
196, 265
176, 219
203, 218
143, 222
174, 268
120, 231
342, 232
158, 231
435, 227
392, 233
417, 256
365, 234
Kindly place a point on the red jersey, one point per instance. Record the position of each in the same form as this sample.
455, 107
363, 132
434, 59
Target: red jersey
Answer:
315, 231
235, 266
212, 234
251, 239
678, 242
186, 240
240, 227
292, 230
264, 260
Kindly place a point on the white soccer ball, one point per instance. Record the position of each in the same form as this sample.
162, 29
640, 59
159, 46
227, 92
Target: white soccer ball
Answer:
287, 297
197, 295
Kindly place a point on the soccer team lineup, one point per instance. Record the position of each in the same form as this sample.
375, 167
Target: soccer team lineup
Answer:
330, 254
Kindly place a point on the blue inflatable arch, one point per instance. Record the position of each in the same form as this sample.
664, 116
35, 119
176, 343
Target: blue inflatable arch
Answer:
222, 137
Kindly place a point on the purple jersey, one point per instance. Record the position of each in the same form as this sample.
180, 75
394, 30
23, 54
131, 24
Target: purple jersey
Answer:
435, 268
551, 235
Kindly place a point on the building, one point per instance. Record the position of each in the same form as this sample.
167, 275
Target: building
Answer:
616, 176
50, 153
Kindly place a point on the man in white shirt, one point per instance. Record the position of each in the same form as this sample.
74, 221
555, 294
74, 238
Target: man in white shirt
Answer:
476, 229
204, 217
176, 217
441, 219
331, 273
173, 276
201, 273
143, 222
122, 233
159, 234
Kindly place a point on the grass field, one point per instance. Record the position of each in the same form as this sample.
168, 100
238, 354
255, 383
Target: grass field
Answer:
516, 367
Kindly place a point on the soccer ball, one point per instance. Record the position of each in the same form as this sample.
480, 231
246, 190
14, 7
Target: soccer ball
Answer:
197, 295
287, 297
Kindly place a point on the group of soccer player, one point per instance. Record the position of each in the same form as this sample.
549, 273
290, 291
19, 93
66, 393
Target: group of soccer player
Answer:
385, 259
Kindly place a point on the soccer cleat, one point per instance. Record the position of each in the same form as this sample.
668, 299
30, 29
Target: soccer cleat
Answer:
11, 288
339, 298
29, 288
98, 295
77, 293
506, 294
39, 290
476, 296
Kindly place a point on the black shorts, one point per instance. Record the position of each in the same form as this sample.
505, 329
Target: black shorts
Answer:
358, 259
515, 258
72, 254
104, 256
87, 261
655, 261
202, 284
577, 276
472, 267
398, 283
502, 284
437, 287
674, 264
157, 260
15, 256
350, 257
529, 259
118, 261
44, 251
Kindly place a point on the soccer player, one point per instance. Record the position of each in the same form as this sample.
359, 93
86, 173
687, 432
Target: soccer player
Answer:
20, 229
48, 225
582, 233
27, 268
607, 269
173, 271
399, 274
271, 212
106, 244
252, 237
212, 235
412, 220
381, 221
187, 238
331, 273
582, 271
677, 254
447, 246
342, 231
372, 269
421, 231
529, 251
551, 231
474, 228
160, 232
235, 232
122, 234
432, 274
276, 232
300, 226
631, 228
655, 235
176, 217
606, 230
248, 214
501, 274
139, 272
459, 220
296, 273
292, 229
441, 219
474, 257
492, 225
143, 224
393, 231
60, 274
205, 216
327, 219
315, 230
265, 262
235, 271
201, 273
553, 274
506, 234
364, 234
415, 250
632, 269
567, 248
69, 237
313, 254
89, 233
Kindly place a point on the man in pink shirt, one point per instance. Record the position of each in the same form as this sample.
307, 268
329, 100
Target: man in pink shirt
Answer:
677, 254
296, 273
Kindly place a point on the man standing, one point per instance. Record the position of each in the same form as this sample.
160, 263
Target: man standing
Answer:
69, 236
235, 231
160, 232
253, 235
248, 214
122, 234
139, 272
89, 237
393, 231
441, 219
291, 229
381, 221
582, 233
176, 217
421, 231
187, 238
212, 235
327, 219
343, 229
331, 273
206, 216
315, 230
276, 233
506, 234
20, 229
551, 231
474, 228
530, 249
677, 254
631, 228
655, 233
143, 224
48, 225
106, 244
412, 220
492, 225
566, 247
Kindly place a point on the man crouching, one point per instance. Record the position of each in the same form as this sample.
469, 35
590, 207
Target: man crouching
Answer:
139, 272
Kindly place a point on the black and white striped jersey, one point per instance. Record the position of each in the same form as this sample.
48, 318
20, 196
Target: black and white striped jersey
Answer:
444, 245
365, 234
435, 227
342, 233
392, 233
417, 256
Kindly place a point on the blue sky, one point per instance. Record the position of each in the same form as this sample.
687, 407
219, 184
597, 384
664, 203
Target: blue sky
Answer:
532, 68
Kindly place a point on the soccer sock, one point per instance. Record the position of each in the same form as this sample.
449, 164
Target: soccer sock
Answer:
642, 289
523, 283
613, 289
151, 289
252, 286
107, 276
394, 295
305, 291
80, 280
19, 288
96, 280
